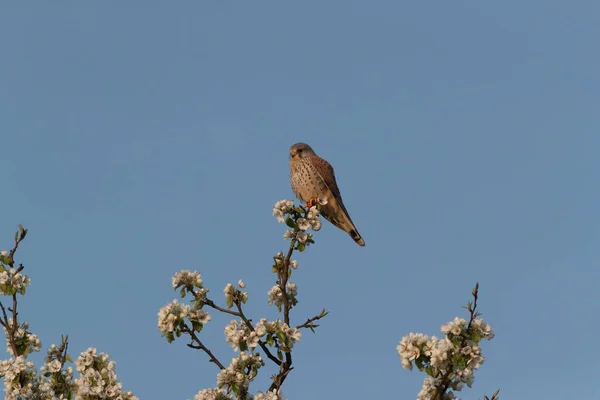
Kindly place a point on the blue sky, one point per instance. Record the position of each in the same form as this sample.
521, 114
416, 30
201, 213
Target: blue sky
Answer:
140, 139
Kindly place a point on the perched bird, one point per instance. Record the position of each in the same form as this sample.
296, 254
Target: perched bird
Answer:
312, 180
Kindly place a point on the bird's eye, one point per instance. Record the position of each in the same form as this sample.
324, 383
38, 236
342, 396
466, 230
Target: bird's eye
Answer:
299, 150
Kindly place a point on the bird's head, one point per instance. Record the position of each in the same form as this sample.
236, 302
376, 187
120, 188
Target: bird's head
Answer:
301, 150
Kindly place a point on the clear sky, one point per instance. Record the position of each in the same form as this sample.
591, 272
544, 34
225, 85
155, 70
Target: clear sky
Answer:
144, 138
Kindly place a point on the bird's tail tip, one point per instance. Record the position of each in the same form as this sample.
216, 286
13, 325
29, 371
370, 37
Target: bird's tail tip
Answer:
356, 237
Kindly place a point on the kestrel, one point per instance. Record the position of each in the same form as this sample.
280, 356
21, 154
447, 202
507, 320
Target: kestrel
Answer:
313, 179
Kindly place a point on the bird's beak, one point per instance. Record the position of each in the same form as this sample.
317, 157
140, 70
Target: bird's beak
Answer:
293, 153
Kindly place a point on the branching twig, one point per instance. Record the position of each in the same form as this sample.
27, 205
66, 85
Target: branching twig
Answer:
472, 308
309, 322
19, 237
210, 303
200, 345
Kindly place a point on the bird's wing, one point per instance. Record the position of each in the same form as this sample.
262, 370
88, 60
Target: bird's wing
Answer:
326, 173
335, 211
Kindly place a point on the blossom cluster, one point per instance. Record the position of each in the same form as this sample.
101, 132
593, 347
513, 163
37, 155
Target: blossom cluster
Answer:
25, 341
233, 295
279, 262
171, 319
242, 370
450, 361
299, 219
12, 281
212, 394
276, 295
270, 395
240, 336
19, 377
221, 394
98, 378
56, 380
22, 381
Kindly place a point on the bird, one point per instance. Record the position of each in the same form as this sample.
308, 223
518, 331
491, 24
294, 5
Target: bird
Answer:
313, 180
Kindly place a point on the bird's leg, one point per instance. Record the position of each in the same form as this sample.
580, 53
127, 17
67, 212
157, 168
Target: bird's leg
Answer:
311, 202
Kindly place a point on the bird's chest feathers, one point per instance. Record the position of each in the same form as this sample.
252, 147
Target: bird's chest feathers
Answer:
306, 182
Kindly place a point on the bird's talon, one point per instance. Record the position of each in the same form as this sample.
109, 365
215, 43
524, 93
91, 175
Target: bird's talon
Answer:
312, 202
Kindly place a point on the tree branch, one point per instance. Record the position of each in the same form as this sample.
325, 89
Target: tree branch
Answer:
200, 345
309, 322
210, 303
472, 308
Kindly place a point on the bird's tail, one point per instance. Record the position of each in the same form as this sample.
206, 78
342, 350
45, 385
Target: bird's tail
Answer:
335, 212
356, 236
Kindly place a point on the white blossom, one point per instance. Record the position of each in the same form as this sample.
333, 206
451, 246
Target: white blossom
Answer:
316, 225
235, 333
235, 373
11, 281
229, 290
170, 315
212, 394
53, 366
281, 208
455, 327
275, 296
241, 284
186, 278
303, 224
270, 395
302, 236
201, 316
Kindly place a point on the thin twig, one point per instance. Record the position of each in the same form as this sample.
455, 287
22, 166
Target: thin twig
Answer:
201, 346
210, 303
473, 311
10, 330
309, 322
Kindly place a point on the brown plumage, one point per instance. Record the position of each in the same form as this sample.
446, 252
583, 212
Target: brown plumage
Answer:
313, 178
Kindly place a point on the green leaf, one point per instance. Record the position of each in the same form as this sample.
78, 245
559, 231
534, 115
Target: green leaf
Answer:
279, 355
68, 358
281, 337
169, 336
419, 363
7, 289
290, 222
197, 326
300, 247
243, 345
182, 292
270, 340
229, 301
